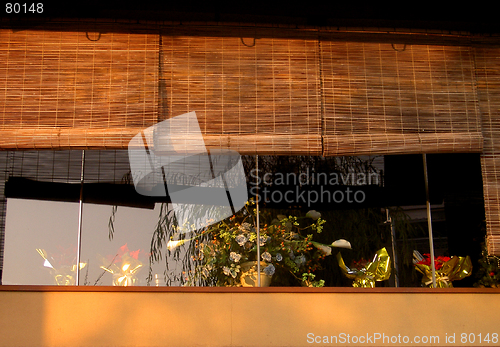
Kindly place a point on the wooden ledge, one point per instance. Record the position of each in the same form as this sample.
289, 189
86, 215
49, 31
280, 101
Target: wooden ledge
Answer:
293, 290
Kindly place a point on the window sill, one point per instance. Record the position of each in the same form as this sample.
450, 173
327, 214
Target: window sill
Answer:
297, 290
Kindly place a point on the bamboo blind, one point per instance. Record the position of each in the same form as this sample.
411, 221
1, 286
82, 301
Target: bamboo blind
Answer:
390, 99
253, 96
488, 84
76, 89
270, 95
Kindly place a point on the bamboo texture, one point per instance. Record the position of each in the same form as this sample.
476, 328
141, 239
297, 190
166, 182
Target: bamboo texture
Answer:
270, 93
488, 84
74, 89
250, 95
393, 99
266, 95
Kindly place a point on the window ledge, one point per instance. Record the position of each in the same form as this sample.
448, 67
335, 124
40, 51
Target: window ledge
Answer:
297, 290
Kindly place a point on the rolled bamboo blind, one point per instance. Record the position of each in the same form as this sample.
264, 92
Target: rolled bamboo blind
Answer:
390, 99
488, 85
270, 95
274, 94
76, 89
250, 95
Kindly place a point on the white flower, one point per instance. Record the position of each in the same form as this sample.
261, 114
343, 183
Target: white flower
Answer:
241, 239
279, 257
269, 270
226, 271
266, 256
314, 215
263, 240
231, 271
341, 243
174, 244
235, 256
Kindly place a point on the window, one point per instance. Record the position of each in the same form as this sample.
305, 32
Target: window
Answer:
128, 239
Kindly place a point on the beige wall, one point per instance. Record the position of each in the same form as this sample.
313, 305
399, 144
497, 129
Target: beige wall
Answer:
245, 318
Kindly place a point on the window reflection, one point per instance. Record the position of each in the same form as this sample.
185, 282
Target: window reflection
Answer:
116, 244
40, 242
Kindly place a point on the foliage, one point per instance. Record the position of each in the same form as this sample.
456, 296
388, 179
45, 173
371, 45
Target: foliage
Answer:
308, 280
488, 274
365, 228
286, 246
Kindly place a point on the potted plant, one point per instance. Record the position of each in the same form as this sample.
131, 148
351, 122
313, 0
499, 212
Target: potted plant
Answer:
288, 253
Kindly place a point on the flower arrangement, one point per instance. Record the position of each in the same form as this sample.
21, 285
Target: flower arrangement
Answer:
287, 249
62, 265
438, 261
124, 266
448, 269
365, 273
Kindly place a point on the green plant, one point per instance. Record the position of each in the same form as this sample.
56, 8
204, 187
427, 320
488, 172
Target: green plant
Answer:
308, 280
286, 246
488, 274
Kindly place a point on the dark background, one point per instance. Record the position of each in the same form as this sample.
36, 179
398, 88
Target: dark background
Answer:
457, 16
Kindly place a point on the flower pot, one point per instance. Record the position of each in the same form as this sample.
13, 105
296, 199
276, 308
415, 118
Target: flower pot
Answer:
249, 274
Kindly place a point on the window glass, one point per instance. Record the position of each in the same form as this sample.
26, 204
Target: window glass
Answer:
316, 217
40, 242
116, 243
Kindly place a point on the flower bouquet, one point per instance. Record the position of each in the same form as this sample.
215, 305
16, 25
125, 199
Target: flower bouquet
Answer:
364, 273
447, 269
227, 251
62, 265
124, 266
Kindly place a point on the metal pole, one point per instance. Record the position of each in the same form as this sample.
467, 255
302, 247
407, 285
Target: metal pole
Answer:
429, 221
80, 216
394, 254
258, 221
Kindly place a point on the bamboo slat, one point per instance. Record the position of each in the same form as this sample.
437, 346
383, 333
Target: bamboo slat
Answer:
262, 95
67, 138
488, 84
57, 83
391, 99
251, 95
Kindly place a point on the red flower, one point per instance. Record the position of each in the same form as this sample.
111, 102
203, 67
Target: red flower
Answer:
135, 254
360, 264
438, 262
425, 261
123, 250
492, 273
